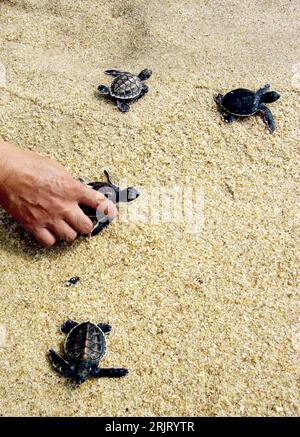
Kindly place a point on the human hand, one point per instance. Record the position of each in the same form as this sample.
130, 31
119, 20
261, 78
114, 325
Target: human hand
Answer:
39, 194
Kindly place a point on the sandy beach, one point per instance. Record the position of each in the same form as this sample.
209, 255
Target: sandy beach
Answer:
207, 323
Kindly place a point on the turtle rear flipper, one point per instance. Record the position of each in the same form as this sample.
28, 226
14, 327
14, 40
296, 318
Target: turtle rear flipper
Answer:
218, 99
228, 118
61, 365
109, 373
144, 91
67, 326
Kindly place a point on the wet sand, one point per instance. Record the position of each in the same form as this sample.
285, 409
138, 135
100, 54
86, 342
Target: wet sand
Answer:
208, 325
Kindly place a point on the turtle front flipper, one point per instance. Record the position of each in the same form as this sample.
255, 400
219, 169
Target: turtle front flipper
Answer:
107, 175
123, 107
104, 327
99, 227
268, 117
60, 365
259, 94
67, 326
109, 373
114, 73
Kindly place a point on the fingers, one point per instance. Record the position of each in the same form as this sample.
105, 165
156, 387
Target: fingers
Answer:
107, 208
59, 231
73, 221
79, 221
44, 237
63, 231
94, 199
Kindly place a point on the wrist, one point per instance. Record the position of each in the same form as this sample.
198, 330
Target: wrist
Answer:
7, 153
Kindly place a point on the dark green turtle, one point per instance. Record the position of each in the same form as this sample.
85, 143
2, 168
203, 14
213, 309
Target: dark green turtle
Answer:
113, 193
85, 346
126, 87
244, 103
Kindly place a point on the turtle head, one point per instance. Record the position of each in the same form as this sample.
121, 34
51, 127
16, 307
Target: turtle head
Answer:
270, 97
82, 372
128, 194
132, 194
145, 74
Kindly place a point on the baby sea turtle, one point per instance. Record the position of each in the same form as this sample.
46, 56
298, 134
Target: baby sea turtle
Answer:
113, 193
72, 281
243, 103
85, 346
126, 87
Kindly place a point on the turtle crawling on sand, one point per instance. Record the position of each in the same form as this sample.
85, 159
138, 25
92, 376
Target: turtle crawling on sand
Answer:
85, 346
126, 87
113, 193
243, 103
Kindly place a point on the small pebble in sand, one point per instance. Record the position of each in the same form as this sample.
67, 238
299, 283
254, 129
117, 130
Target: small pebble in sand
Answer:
72, 281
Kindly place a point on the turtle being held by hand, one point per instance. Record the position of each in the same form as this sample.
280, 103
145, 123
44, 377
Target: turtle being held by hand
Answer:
115, 194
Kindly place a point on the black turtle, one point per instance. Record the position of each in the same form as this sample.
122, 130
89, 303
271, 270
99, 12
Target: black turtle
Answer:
243, 103
84, 347
72, 281
126, 87
113, 193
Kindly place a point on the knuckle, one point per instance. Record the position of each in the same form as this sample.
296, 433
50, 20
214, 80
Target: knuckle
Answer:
80, 188
66, 212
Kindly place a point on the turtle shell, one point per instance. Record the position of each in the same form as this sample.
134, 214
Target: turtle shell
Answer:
239, 102
126, 86
86, 342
